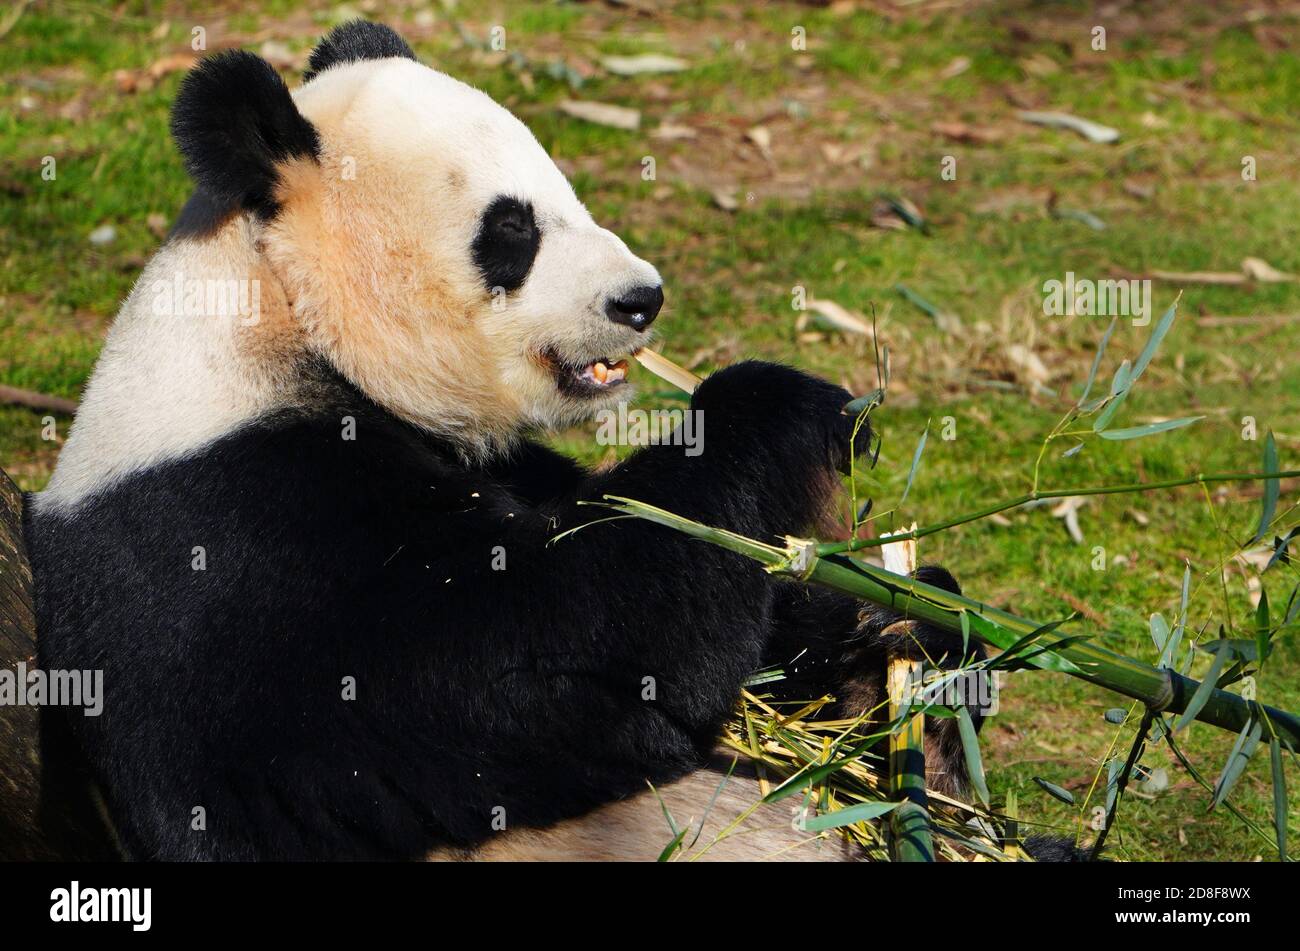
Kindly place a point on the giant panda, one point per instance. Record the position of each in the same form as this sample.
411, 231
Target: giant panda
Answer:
280, 535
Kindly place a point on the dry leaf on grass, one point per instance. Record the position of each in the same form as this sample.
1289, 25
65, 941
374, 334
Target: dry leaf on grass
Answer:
130, 81
1252, 269
828, 315
888, 221
1040, 65
961, 132
1068, 510
955, 68
1092, 131
177, 62
762, 139
644, 63
669, 131
602, 113
1138, 189
725, 198
1260, 270
846, 154
1200, 277
1027, 364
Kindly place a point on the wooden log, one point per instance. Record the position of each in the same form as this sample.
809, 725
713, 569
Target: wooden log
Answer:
49, 808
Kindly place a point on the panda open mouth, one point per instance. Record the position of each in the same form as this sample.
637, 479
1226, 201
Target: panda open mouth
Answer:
585, 379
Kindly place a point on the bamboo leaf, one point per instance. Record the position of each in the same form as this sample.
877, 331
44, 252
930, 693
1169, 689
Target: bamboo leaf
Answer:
1261, 628
1202, 694
1118, 390
1113, 769
1271, 489
1160, 629
1182, 615
1120, 381
916, 462
1279, 795
1238, 648
1137, 432
1055, 791
1282, 547
1160, 634
865, 404
1234, 673
917, 299
970, 745
1015, 648
1096, 361
672, 823
1004, 640
1116, 715
713, 800
672, 847
849, 815
1025, 660
814, 776
965, 633
1153, 343
1157, 729
1247, 740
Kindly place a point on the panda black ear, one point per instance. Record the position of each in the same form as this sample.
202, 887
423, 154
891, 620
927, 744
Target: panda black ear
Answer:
353, 41
234, 122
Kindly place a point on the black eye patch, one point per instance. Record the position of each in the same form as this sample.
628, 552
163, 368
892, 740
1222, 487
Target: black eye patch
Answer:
506, 243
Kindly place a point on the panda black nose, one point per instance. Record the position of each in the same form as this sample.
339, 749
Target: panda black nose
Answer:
636, 308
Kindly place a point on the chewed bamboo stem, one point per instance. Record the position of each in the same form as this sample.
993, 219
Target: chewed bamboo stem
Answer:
666, 370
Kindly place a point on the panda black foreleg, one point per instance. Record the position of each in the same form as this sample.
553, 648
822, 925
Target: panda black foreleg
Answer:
612, 655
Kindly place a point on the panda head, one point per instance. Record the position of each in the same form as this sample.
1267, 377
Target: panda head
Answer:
426, 244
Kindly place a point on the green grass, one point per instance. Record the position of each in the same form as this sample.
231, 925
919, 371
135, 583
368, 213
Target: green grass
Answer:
870, 81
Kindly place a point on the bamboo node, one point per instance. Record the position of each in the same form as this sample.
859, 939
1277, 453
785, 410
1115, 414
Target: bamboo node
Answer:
1165, 697
802, 558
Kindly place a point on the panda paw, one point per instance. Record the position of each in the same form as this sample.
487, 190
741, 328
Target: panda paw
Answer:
783, 412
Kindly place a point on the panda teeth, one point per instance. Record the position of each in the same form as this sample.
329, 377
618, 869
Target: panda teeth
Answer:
601, 373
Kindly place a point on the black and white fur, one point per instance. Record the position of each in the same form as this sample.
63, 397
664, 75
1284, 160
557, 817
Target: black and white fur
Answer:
435, 306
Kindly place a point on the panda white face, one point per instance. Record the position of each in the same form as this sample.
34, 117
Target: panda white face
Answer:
440, 259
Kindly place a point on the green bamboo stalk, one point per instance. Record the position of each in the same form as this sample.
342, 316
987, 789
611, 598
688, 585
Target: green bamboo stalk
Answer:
1159, 689
909, 825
